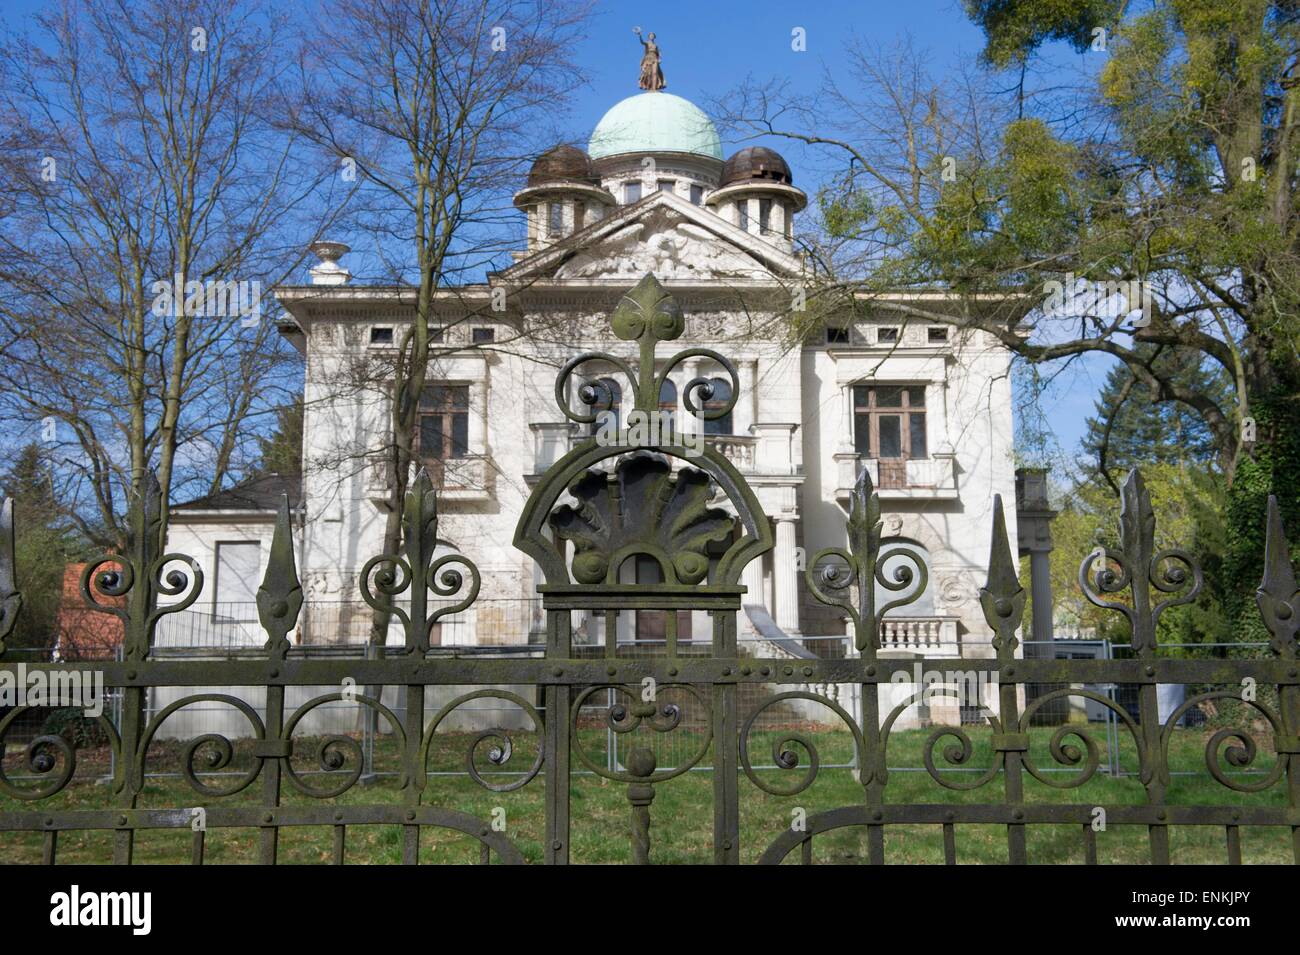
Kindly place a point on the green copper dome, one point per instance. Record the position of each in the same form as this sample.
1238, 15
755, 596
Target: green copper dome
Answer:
654, 123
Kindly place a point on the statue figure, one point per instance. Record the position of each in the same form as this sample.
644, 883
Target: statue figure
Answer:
652, 77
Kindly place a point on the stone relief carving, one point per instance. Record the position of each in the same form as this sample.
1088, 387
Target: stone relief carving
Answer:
955, 589
670, 249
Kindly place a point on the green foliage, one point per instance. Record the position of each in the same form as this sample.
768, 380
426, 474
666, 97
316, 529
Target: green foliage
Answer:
1274, 466
1143, 431
43, 547
1187, 500
1014, 28
844, 211
281, 451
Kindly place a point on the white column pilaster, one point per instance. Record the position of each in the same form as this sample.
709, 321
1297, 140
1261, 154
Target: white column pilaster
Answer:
785, 574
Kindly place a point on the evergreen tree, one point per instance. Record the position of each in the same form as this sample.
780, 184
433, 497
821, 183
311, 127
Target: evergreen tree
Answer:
1131, 430
43, 547
281, 451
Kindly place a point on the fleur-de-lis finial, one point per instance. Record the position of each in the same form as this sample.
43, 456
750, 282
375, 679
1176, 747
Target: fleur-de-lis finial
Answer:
830, 585
420, 523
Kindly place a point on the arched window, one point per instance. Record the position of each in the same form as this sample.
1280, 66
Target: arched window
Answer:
720, 399
609, 397
668, 402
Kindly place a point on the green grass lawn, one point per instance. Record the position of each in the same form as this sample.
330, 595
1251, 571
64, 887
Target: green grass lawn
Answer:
682, 814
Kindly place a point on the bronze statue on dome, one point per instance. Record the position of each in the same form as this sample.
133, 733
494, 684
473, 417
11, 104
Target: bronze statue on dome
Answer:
652, 76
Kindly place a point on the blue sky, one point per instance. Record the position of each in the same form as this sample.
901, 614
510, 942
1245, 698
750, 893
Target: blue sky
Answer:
709, 47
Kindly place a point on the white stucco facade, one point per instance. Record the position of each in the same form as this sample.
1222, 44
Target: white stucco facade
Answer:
721, 238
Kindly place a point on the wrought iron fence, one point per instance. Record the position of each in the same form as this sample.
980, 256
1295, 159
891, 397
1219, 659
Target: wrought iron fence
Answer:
642, 506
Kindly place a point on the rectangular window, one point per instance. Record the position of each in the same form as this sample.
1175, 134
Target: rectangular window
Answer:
937, 334
579, 215
555, 219
665, 185
437, 334
381, 336
238, 565
631, 192
887, 336
764, 216
444, 427
837, 336
483, 336
697, 195
889, 425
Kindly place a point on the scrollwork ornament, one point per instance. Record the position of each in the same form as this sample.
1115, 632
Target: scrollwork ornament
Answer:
623, 718
1240, 751
50, 759
500, 753
833, 571
787, 745
1068, 755
338, 757
215, 750
1141, 569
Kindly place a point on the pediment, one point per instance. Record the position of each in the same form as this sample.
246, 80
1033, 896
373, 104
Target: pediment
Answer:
663, 234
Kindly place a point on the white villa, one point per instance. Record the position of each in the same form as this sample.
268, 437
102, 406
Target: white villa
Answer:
924, 408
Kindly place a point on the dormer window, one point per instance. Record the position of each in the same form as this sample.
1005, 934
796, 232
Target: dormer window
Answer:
631, 192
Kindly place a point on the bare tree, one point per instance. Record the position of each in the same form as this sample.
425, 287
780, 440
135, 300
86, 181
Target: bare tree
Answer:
436, 108
146, 203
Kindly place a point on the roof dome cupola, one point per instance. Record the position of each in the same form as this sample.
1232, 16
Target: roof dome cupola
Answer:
757, 194
561, 163
756, 162
655, 122
562, 196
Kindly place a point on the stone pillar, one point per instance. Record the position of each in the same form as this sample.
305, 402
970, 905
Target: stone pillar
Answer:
1034, 529
785, 575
